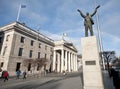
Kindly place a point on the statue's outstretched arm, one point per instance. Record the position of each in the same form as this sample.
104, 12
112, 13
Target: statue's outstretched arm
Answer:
81, 13
95, 10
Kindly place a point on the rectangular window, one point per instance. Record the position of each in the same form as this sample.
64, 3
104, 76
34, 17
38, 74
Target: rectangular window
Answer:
38, 67
18, 66
45, 56
4, 50
0, 39
20, 52
2, 64
51, 49
22, 39
39, 45
30, 55
29, 66
46, 47
32, 42
38, 54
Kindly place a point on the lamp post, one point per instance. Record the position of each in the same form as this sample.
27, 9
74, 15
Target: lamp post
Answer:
100, 38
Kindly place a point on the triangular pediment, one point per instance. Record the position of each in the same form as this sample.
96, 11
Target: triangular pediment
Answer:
66, 44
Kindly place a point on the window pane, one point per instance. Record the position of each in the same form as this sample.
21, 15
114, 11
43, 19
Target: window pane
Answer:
29, 66
32, 42
22, 39
45, 56
2, 64
38, 67
38, 54
20, 51
45, 47
0, 39
39, 45
30, 55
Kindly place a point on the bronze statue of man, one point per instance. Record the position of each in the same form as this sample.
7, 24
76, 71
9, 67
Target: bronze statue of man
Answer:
88, 21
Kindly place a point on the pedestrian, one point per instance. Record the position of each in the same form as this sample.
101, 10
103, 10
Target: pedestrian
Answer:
24, 74
64, 73
18, 72
5, 76
44, 72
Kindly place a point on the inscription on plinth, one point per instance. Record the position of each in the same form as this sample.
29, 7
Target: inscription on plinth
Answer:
90, 63
92, 75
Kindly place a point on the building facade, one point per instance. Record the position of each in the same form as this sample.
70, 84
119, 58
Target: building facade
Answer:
19, 42
65, 57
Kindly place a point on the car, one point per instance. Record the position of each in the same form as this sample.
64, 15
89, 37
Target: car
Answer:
117, 69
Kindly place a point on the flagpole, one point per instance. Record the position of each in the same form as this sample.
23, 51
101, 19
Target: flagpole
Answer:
100, 38
18, 13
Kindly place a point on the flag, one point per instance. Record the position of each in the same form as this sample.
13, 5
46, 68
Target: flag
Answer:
23, 6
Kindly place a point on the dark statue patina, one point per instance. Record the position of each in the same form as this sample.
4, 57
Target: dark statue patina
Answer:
88, 21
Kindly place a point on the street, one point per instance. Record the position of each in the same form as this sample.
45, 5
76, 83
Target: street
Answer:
53, 81
70, 81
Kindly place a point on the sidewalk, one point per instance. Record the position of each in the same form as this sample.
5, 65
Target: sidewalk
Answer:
108, 82
13, 81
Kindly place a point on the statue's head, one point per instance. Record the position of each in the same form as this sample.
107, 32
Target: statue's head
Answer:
87, 13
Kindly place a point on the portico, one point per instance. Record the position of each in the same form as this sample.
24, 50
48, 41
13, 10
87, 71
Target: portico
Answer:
65, 57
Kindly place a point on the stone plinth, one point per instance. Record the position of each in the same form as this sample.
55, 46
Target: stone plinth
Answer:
92, 75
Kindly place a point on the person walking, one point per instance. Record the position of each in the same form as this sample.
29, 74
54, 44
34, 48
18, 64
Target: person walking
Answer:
18, 74
5, 75
24, 74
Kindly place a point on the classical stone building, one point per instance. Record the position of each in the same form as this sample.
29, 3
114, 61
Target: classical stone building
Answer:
65, 57
19, 42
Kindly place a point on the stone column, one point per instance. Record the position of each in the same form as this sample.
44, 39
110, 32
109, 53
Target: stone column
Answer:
74, 62
71, 62
76, 66
58, 62
65, 60
62, 60
54, 60
68, 61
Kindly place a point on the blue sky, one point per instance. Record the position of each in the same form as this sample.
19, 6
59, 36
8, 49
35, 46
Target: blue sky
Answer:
55, 17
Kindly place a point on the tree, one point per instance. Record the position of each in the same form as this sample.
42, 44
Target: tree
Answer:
27, 61
116, 62
108, 55
38, 62
30, 63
